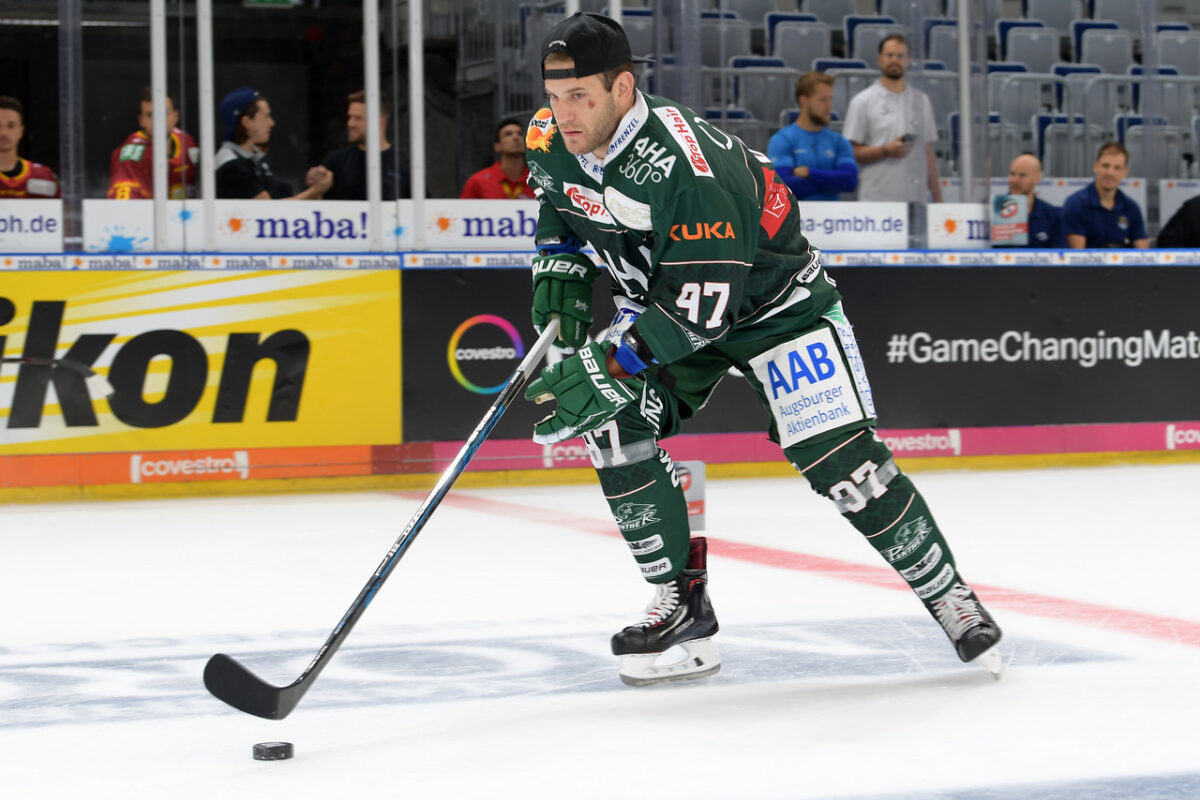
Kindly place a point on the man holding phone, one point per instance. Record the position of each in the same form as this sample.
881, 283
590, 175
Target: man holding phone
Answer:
892, 130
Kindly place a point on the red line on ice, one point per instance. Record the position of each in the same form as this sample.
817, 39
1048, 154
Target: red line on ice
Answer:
1107, 617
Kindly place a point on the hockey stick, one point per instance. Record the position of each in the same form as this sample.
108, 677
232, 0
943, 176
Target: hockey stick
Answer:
232, 683
66, 363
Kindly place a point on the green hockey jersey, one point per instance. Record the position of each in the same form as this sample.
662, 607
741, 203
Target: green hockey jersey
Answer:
693, 225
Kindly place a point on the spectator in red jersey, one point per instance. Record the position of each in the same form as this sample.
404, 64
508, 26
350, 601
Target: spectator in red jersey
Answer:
20, 177
131, 168
506, 179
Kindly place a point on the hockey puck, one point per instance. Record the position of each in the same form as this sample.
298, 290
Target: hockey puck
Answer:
272, 751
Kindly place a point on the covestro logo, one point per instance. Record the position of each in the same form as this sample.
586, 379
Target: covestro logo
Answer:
457, 354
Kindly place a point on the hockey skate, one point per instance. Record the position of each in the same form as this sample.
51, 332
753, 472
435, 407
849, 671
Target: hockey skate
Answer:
679, 615
970, 627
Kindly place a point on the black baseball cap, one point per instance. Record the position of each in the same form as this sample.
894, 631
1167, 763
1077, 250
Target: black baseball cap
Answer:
597, 44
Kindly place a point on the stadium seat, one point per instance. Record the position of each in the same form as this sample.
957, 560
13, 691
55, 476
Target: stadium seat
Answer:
764, 90
773, 18
1012, 99
907, 12
799, 43
722, 39
1131, 131
1062, 144
867, 38
1079, 26
1175, 101
943, 46
1098, 101
1004, 139
1036, 48
741, 123
851, 21
1004, 26
929, 24
1111, 50
640, 31
1126, 14
1057, 14
1181, 50
1159, 27
828, 11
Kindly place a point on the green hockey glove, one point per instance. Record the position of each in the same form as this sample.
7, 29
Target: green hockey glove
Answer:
588, 396
562, 285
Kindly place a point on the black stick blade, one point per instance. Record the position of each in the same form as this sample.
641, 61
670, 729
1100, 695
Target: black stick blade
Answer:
231, 683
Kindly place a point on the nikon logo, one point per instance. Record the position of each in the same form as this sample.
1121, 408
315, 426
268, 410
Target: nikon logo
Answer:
188, 375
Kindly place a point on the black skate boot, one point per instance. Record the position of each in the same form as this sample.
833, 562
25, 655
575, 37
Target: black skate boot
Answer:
970, 627
680, 614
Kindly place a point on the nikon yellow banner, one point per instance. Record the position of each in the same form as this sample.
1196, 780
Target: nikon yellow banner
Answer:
198, 360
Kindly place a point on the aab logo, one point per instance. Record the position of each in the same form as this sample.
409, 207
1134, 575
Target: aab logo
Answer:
702, 230
633, 516
910, 537
185, 382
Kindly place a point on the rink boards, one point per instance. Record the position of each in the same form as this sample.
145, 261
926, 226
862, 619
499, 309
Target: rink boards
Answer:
249, 372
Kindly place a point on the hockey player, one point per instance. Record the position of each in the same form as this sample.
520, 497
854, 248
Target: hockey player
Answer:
710, 272
20, 177
131, 167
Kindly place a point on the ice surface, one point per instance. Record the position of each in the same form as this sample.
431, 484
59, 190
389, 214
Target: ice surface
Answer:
482, 669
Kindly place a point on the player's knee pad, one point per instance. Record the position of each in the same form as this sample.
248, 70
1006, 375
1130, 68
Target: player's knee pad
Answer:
857, 472
647, 503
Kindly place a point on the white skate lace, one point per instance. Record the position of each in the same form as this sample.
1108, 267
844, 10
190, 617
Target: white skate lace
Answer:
957, 611
664, 603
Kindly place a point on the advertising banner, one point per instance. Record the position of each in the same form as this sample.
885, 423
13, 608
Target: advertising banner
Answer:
1056, 190
314, 226
464, 333
856, 226
30, 226
1027, 345
204, 364
958, 226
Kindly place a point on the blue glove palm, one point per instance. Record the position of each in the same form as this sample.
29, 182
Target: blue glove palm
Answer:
588, 396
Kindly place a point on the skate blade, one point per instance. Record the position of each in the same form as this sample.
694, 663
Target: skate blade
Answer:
992, 661
700, 660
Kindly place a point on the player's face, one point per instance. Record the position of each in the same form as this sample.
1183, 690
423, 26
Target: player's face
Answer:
11, 130
1110, 169
356, 123
819, 104
258, 127
586, 114
893, 60
1023, 175
146, 116
512, 140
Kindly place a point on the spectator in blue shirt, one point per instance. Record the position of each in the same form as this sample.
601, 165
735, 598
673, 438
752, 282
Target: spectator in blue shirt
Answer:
815, 162
1045, 221
1100, 214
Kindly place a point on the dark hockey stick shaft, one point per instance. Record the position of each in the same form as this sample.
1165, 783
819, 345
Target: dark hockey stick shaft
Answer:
66, 363
232, 683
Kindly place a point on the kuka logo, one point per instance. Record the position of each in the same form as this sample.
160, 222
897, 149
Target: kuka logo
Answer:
186, 381
702, 230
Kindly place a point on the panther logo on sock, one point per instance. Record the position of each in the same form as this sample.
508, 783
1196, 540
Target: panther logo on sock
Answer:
910, 536
632, 516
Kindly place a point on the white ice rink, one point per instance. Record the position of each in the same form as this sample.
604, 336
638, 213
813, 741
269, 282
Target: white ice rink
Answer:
482, 669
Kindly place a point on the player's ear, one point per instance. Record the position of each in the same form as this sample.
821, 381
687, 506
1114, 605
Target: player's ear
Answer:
624, 84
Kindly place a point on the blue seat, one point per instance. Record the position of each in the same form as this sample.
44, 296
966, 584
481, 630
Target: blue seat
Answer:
773, 18
852, 21
1080, 26
1003, 26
